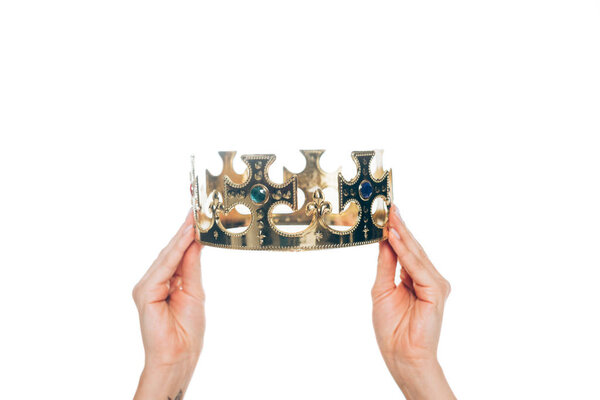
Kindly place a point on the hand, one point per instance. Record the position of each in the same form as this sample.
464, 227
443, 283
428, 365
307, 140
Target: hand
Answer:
170, 302
408, 318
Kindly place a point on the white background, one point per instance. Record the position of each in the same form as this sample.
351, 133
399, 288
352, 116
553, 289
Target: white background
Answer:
488, 112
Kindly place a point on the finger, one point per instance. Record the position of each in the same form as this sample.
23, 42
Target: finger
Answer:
189, 220
161, 256
386, 269
410, 262
406, 280
156, 285
428, 284
165, 266
398, 224
191, 272
165, 259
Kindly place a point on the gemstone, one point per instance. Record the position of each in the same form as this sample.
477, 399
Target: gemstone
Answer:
258, 194
365, 189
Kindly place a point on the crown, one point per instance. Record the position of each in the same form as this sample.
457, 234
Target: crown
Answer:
361, 217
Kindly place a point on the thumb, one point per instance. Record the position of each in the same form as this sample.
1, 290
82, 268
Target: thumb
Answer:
190, 271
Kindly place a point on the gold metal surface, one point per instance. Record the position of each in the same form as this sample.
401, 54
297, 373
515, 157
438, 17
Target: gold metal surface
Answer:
359, 220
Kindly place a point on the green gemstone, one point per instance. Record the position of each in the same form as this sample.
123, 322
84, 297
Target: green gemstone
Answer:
258, 194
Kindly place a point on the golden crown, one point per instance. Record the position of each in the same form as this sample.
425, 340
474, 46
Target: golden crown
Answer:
364, 203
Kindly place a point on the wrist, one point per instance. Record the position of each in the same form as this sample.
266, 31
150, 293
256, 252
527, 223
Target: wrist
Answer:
163, 381
183, 361
422, 379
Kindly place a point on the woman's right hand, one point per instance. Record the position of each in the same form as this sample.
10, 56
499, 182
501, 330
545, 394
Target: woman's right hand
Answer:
170, 302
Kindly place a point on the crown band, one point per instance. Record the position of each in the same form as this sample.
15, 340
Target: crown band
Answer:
361, 218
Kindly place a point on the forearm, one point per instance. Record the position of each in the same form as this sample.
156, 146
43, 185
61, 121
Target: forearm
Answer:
164, 383
422, 382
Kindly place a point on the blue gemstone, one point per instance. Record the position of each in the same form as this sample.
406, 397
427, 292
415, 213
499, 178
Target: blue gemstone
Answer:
365, 189
258, 194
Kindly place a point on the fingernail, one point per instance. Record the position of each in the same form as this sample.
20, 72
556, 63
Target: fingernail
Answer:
189, 228
397, 211
394, 233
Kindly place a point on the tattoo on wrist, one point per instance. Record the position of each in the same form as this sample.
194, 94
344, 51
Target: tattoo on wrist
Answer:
178, 397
